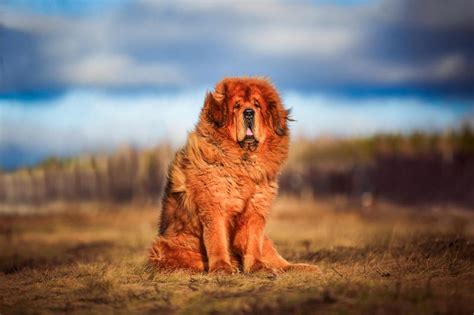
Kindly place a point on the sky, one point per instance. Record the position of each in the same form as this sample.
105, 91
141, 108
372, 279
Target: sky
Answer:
90, 76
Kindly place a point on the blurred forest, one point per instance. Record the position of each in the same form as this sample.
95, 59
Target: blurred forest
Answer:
414, 168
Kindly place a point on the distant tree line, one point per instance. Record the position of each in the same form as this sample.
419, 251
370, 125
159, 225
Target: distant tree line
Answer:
407, 168
124, 176
416, 168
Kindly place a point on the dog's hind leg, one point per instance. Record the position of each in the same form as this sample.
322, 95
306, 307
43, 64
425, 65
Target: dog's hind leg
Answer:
271, 257
168, 255
274, 260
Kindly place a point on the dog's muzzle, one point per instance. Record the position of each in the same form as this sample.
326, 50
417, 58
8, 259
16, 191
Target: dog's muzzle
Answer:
249, 141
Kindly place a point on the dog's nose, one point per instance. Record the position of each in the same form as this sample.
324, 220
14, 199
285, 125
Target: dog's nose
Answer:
248, 113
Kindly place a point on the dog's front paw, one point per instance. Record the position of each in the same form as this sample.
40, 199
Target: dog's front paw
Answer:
222, 267
259, 266
252, 265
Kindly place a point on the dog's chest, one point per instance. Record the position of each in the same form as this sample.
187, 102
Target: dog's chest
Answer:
232, 188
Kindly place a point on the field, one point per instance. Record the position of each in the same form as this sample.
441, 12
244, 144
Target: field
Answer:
386, 259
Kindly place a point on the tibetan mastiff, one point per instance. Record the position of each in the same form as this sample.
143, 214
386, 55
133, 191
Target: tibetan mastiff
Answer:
222, 183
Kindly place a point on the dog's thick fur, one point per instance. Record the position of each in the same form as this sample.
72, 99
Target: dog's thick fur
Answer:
222, 183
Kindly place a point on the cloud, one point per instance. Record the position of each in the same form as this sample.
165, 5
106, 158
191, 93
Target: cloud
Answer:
302, 45
450, 66
320, 114
119, 70
86, 121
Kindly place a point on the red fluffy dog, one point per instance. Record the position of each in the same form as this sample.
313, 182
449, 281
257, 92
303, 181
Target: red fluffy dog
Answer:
222, 183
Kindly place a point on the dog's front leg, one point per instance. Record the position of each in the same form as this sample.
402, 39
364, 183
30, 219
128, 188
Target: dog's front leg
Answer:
216, 241
248, 241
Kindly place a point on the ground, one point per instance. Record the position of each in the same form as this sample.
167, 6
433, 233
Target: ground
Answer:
91, 258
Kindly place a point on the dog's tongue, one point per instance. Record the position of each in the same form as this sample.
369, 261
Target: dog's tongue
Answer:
249, 132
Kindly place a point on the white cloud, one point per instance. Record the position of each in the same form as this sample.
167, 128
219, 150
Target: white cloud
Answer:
108, 69
320, 114
29, 22
91, 121
449, 66
297, 41
445, 68
186, 43
87, 121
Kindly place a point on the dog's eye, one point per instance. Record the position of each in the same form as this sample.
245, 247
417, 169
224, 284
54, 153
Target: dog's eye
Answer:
237, 105
256, 103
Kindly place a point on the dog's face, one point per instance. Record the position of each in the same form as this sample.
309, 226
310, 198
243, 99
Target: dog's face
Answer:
247, 110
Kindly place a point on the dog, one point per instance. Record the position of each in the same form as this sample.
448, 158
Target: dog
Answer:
222, 183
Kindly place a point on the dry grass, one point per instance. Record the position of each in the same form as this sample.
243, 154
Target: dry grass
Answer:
92, 259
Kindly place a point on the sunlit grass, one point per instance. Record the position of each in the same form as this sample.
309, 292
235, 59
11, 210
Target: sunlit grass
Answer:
92, 258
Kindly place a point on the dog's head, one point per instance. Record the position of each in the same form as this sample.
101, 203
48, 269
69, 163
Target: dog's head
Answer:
247, 110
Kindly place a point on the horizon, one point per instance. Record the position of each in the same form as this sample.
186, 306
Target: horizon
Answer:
92, 122
87, 76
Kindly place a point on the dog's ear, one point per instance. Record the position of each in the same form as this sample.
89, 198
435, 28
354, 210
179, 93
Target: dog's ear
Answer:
279, 117
215, 105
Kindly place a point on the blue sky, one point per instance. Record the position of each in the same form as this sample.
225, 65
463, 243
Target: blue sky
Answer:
88, 76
